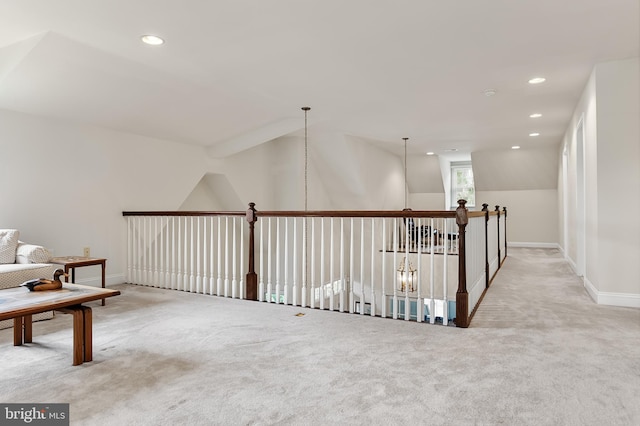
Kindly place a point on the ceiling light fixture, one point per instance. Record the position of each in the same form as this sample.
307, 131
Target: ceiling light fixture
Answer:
152, 40
536, 115
534, 134
451, 150
537, 80
490, 92
515, 147
430, 153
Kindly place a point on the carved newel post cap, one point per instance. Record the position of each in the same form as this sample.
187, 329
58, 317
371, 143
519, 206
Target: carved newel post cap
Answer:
485, 207
251, 213
497, 208
461, 203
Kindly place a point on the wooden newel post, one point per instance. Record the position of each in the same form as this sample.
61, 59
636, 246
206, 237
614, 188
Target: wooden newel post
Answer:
462, 297
252, 277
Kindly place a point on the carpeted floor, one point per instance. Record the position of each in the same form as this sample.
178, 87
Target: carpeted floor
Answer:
538, 352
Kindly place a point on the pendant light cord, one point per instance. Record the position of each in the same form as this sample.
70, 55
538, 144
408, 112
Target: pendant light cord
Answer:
406, 186
305, 261
306, 158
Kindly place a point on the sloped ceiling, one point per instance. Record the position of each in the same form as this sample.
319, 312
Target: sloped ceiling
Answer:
234, 74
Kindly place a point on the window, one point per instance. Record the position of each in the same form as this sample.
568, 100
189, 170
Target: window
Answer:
462, 187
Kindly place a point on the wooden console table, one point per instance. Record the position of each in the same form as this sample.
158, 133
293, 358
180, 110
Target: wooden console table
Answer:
20, 304
73, 262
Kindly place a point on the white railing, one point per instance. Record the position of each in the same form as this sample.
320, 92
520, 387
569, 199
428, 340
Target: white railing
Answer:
492, 244
350, 264
199, 254
475, 260
402, 265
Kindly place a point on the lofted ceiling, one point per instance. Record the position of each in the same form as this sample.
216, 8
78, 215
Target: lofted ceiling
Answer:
234, 73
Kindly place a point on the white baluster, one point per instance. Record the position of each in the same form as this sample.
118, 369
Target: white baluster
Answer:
174, 254
278, 260
343, 289
226, 256
261, 254
269, 263
205, 256
395, 265
198, 256
322, 264
241, 286
192, 256
305, 272
362, 278
312, 297
373, 265
383, 281
186, 270
220, 265
331, 270
352, 301
432, 268
155, 253
286, 261
407, 303
295, 261
234, 267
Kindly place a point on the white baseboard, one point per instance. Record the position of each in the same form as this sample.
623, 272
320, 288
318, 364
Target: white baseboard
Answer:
97, 281
533, 245
627, 300
572, 264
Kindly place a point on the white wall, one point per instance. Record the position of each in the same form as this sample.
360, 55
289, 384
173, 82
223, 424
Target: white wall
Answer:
609, 107
532, 218
65, 186
427, 201
618, 175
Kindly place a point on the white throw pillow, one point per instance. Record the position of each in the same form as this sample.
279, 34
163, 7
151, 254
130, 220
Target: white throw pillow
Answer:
8, 245
31, 253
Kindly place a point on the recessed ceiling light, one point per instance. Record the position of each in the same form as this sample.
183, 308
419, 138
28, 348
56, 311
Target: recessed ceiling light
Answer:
451, 150
515, 147
534, 134
152, 40
536, 115
490, 92
537, 80
430, 153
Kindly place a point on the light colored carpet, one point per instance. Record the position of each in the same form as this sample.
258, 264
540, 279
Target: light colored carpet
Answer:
539, 352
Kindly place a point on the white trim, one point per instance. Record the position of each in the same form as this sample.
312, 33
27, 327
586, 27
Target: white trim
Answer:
572, 264
533, 245
628, 300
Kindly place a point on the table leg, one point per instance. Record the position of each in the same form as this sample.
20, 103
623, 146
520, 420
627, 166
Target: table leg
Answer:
78, 332
78, 336
28, 328
103, 276
88, 337
17, 331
